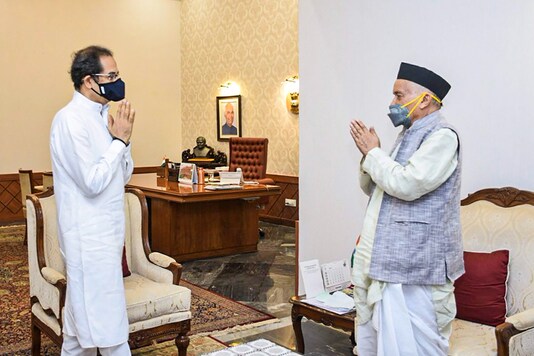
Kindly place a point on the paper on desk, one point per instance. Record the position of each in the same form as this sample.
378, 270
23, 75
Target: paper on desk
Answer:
338, 303
311, 276
336, 300
250, 182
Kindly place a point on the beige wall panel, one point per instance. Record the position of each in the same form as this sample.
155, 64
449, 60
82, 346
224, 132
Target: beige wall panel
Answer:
37, 38
255, 44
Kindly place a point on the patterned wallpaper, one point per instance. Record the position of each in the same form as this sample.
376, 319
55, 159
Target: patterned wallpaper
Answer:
254, 44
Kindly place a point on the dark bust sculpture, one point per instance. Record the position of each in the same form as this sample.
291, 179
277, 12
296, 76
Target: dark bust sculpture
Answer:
202, 150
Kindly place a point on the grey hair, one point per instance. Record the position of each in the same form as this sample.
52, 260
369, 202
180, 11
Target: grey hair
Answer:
418, 89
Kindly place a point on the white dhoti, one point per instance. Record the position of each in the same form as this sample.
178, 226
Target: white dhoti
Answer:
403, 324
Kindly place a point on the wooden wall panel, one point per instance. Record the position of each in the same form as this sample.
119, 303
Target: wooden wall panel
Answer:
10, 199
275, 211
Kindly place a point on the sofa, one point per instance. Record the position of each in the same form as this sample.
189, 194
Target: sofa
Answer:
496, 220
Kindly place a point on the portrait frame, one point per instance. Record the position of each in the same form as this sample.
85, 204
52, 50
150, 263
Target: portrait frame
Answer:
223, 133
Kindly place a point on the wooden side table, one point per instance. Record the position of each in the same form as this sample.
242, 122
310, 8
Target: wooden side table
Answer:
300, 309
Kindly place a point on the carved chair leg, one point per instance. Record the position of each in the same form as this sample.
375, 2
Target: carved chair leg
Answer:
182, 342
36, 339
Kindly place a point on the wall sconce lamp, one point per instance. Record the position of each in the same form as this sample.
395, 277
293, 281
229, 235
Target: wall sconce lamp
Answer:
292, 98
229, 88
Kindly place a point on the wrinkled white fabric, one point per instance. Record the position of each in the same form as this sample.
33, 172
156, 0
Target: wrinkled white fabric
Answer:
403, 324
71, 347
90, 172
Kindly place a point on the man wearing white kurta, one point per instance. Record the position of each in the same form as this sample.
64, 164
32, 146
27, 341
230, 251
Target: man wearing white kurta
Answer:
410, 249
91, 162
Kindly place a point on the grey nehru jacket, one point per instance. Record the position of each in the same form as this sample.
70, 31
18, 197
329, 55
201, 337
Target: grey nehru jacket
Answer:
419, 242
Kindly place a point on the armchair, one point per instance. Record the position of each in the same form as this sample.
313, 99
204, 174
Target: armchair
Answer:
158, 308
495, 219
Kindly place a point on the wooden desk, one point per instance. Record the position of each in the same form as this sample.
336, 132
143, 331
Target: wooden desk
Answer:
300, 309
189, 222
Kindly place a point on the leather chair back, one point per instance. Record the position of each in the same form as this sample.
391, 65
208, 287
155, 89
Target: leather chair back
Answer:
249, 154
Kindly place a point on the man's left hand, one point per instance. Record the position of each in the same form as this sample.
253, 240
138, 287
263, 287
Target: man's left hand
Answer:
365, 139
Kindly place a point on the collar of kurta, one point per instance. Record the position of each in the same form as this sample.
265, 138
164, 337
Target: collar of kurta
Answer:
97, 108
89, 104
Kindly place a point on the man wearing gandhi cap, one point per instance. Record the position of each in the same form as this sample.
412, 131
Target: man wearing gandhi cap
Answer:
410, 247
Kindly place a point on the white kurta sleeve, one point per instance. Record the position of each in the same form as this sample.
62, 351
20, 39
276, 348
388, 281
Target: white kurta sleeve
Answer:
127, 164
365, 180
72, 145
430, 166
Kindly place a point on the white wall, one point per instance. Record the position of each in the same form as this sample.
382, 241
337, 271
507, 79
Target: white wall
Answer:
349, 57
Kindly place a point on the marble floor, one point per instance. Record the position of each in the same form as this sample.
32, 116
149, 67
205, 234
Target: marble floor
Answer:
265, 280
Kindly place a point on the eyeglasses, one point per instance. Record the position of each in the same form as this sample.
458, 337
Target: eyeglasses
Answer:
111, 76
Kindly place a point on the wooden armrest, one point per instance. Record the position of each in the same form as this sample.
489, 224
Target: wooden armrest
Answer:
266, 181
176, 270
514, 325
503, 333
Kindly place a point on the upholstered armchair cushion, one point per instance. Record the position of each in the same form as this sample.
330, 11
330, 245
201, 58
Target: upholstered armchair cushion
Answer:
146, 299
472, 339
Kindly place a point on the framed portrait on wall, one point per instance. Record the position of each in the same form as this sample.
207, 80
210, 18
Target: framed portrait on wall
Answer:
228, 117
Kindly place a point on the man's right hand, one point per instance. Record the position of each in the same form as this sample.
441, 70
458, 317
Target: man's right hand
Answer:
365, 139
121, 126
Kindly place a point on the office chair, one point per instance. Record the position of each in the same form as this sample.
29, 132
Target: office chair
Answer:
250, 154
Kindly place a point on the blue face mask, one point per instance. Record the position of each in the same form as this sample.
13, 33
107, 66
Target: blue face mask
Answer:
399, 115
114, 91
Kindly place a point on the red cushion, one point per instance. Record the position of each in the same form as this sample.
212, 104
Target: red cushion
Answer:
481, 292
125, 270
